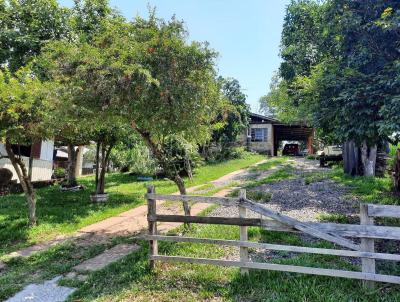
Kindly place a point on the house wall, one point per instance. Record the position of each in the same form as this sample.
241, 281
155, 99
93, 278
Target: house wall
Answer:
266, 147
42, 168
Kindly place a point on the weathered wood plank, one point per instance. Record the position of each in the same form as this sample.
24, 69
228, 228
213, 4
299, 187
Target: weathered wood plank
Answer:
278, 247
284, 268
354, 230
152, 211
208, 220
383, 211
226, 201
244, 252
301, 226
367, 245
346, 230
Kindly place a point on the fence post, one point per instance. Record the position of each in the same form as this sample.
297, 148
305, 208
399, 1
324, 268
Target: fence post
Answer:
367, 245
152, 211
244, 252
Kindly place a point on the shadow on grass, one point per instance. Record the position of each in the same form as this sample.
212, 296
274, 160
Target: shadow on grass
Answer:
61, 212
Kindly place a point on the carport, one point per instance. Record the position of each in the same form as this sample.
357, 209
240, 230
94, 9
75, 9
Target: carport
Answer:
296, 132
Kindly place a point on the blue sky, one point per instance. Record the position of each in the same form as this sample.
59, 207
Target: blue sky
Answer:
246, 34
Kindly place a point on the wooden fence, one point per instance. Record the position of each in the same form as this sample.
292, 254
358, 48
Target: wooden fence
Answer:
338, 234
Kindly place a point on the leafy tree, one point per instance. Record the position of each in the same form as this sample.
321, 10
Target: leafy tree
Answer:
87, 19
132, 154
23, 113
145, 73
234, 114
183, 95
341, 67
275, 102
25, 27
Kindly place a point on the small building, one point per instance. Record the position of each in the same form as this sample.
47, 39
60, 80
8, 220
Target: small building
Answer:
264, 134
42, 164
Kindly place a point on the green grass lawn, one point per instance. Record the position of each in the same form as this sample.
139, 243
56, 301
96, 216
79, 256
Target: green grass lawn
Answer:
131, 280
65, 212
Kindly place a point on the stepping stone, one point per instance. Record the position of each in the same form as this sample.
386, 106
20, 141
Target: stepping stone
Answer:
76, 276
107, 257
49, 291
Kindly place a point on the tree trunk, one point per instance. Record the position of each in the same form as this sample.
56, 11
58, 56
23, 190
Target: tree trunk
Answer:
71, 177
181, 186
99, 184
30, 169
396, 172
78, 161
22, 173
368, 159
97, 164
160, 157
351, 158
105, 160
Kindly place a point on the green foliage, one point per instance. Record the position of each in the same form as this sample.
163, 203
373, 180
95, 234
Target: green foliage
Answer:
182, 94
277, 102
368, 189
180, 156
89, 17
259, 196
131, 154
233, 119
340, 68
228, 153
26, 26
59, 172
24, 108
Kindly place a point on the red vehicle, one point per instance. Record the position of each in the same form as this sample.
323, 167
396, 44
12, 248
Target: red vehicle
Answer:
291, 149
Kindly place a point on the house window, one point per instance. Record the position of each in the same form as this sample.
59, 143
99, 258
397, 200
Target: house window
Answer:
259, 134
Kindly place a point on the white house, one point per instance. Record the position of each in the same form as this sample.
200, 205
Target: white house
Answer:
42, 154
264, 134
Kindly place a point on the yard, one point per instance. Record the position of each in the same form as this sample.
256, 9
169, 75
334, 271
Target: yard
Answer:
130, 279
66, 212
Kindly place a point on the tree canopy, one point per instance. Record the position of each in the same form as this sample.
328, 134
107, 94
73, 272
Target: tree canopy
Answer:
340, 69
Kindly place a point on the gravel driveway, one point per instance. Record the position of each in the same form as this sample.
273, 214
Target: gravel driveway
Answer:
305, 202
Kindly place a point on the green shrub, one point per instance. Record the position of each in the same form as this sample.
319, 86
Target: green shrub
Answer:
59, 172
230, 153
311, 157
259, 196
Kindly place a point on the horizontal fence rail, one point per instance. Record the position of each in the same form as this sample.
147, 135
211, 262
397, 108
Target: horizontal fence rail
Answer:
275, 221
383, 211
285, 268
277, 247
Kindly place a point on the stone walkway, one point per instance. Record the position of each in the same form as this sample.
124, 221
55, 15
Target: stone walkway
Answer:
49, 291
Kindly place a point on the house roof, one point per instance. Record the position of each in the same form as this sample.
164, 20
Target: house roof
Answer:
258, 118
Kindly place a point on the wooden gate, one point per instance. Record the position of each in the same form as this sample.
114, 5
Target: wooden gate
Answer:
274, 221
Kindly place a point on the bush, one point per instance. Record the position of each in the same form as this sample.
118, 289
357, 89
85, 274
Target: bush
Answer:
311, 157
59, 172
181, 156
230, 153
